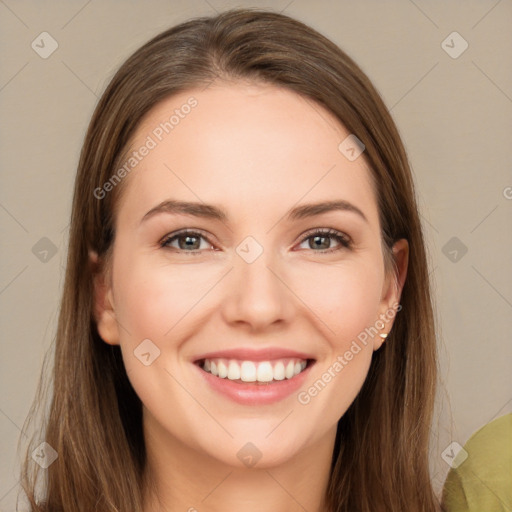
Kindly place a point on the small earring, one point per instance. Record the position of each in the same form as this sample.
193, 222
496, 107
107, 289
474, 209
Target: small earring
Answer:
383, 335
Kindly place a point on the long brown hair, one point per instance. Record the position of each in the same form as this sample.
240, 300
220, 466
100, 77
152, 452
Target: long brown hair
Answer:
380, 461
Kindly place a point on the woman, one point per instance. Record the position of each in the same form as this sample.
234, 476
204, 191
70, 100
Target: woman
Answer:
289, 361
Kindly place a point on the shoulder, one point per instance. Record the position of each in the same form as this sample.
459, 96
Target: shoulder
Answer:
481, 478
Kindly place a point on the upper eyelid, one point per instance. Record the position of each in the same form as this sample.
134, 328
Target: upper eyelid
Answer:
326, 231
185, 231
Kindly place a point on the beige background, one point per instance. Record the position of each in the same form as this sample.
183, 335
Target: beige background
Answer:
454, 114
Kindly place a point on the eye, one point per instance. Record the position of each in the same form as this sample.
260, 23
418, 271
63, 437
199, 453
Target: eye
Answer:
188, 241
321, 240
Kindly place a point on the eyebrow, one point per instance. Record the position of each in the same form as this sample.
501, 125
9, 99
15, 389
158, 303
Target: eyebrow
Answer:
209, 211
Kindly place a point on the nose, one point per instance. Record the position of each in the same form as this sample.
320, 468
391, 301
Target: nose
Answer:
258, 294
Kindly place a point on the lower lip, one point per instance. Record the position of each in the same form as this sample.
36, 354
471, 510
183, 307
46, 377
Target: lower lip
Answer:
249, 393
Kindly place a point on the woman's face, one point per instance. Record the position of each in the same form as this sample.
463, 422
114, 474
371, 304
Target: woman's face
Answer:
288, 317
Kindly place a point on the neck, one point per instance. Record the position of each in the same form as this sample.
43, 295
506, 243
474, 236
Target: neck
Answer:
181, 478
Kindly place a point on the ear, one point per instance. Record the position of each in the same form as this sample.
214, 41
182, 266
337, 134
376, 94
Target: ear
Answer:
103, 302
392, 290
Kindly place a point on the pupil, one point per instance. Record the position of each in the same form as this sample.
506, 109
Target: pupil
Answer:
189, 241
325, 246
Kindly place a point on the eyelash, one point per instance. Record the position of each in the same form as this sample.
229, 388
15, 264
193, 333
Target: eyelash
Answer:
344, 241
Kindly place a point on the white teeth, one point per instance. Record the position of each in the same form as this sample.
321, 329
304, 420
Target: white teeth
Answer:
233, 370
249, 371
265, 373
289, 370
222, 369
279, 371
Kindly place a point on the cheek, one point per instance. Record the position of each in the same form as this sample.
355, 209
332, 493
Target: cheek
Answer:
154, 298
345, 297
346, 302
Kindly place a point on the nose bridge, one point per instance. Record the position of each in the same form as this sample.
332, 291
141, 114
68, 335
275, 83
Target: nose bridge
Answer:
257, 294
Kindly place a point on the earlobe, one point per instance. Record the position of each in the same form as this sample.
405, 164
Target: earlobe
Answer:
103, 303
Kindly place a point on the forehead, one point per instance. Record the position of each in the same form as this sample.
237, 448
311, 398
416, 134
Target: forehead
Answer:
242, 146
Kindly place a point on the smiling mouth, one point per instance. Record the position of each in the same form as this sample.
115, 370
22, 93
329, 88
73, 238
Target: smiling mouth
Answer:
255, 372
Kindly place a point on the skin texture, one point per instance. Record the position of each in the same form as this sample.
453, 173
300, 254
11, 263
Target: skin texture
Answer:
256, 151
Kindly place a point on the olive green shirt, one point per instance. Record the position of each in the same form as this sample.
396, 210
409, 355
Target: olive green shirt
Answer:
483, 481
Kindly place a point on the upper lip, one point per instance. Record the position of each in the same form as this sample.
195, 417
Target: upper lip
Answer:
251, 354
